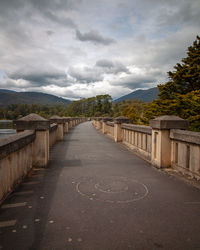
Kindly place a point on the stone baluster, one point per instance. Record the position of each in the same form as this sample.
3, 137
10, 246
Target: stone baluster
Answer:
161, 143
104, 125
41, 143
117, 127
60, 129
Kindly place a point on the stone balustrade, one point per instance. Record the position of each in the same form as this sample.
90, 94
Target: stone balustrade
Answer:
16, 159
165, 143
53, 134
30, 147
138, 138
110, 129
185, 151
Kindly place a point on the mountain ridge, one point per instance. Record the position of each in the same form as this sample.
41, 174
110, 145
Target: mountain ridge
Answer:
147, 95
8, 97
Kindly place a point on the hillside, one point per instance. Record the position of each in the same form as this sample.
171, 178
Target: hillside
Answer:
7, 91
11, 97
147, 95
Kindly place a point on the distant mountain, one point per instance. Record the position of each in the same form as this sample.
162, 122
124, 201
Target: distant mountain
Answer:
11, 97
147, 95
7, 91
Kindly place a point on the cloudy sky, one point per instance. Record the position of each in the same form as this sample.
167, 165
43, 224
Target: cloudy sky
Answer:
82, 48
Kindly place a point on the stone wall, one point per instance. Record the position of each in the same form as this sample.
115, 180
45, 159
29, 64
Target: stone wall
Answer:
110, 129
165, 143
185, 151
16, 157
29, 147
138, 138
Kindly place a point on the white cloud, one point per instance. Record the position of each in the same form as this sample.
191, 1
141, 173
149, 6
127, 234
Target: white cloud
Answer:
68, 48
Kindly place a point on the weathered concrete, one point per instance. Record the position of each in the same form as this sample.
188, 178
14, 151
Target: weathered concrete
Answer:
96, 195
60, 129
169, 122
161, 143
138, 128
52, 134
31, 122
185, 136
15, 160
118, 127
185, 152
41, 143
104, 124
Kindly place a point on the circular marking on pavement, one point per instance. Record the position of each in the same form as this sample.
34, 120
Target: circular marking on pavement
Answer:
112, 189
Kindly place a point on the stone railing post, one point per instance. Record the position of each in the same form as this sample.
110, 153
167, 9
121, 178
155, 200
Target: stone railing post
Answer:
94, 122
98, 126
161, 144
73, 122
66, 124
104, 125
117, 127
41, 143
60, 129
70, 123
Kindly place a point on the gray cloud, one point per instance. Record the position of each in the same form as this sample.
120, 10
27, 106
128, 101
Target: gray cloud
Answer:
95, 37
134, 82
40, 40
54, 4
111, 67
65, 21
104, 63
50, 32
38, 79
95, 74
85, 75
147, 79
184, 14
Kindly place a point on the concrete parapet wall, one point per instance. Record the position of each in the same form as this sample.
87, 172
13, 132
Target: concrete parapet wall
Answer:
52, 134
185, 152
138, 128
110, 129
29, 148
165, 143
185, 136
138, 138
16, 157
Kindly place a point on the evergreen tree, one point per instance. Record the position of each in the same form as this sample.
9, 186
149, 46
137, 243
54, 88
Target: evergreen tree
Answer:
181, 94
186, 77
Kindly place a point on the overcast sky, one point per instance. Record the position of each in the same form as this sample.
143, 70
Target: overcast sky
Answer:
82, 48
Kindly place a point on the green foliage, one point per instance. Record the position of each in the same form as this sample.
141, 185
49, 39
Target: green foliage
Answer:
15, 111
132, 109
95, 106
100, 105
186, 77
181, 95
186, 106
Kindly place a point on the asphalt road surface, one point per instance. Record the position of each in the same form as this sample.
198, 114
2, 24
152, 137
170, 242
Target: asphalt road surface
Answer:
97, 195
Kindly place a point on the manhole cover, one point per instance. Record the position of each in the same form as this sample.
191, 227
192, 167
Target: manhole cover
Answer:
113, 189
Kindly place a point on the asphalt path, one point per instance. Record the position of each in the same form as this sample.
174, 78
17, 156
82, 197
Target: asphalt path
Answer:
97, 195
